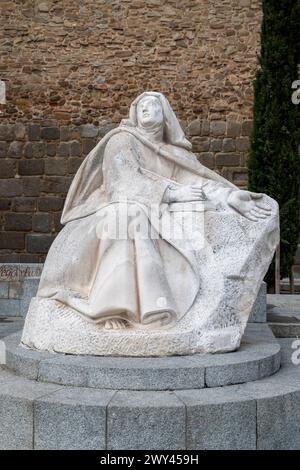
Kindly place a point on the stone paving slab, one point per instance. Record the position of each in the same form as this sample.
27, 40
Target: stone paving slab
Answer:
284, 315
146, 420
71, 419
283, 308
221, 418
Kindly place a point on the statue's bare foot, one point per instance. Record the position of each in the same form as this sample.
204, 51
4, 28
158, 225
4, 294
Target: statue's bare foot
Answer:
115, 324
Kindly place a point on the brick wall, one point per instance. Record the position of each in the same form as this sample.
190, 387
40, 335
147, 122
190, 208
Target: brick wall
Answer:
71, 70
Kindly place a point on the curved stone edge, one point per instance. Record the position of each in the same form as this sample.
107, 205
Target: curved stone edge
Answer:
258, 357
258, 415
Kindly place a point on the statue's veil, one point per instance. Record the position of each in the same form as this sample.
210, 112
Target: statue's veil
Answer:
173, 133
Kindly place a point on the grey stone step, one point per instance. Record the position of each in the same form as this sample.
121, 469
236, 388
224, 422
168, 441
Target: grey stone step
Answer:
285, 283
258, 357
259, 415
283, 314
285, 330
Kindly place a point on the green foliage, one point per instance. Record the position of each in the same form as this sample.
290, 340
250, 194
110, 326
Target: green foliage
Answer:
274, 163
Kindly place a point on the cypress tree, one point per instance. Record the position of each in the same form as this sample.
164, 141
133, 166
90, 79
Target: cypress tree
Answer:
274, 163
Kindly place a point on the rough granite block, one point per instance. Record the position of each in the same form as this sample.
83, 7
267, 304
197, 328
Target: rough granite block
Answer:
9, 307
145, 420
16, 410
278, 422
4, 289
123, 373
71, 419
30, 287
15, 289
16, 423
220, 419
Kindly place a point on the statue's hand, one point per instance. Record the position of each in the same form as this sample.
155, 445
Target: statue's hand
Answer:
249, 205
187, 193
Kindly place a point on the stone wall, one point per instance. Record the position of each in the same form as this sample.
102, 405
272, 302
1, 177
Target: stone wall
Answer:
72, 68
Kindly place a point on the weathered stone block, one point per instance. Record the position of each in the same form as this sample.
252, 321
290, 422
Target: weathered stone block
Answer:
15, 289
4, 289
56, 220
227, 159
65, 133
194, 128
71, 419
5, 204
50, 133
89, 130
55, 166
49, 204
19, 131
88, 145
24, 204
278, 423
205, 127
41, 222
233, 129
27, 150
16, 428
216, 145
74, 164
207, 159
247, 128
75, 149
38, 243
56, 184
219, 419
9, 307
31, 167
229, 145
34, 149
28, 258
242, 144
31, 185
15, 150
51, 149
3, 149
34, 132
217, 128
145, 420
30, 287
12, 240
201, 144
16, 410
38, 149
17, 222
63, 149
7, 168
6, 132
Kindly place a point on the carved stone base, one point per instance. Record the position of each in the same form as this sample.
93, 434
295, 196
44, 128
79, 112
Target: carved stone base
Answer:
52, 326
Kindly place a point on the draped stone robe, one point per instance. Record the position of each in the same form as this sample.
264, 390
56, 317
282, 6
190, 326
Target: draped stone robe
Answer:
139, 279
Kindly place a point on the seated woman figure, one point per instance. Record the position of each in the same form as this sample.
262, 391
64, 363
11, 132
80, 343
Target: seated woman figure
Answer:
116, 265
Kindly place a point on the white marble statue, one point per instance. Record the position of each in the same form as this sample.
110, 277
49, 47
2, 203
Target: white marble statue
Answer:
159, 255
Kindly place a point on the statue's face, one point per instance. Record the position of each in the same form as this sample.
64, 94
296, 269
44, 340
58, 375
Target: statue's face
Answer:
149, 112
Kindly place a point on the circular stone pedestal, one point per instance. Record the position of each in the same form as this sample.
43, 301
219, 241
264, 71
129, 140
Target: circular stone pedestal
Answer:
258, 357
